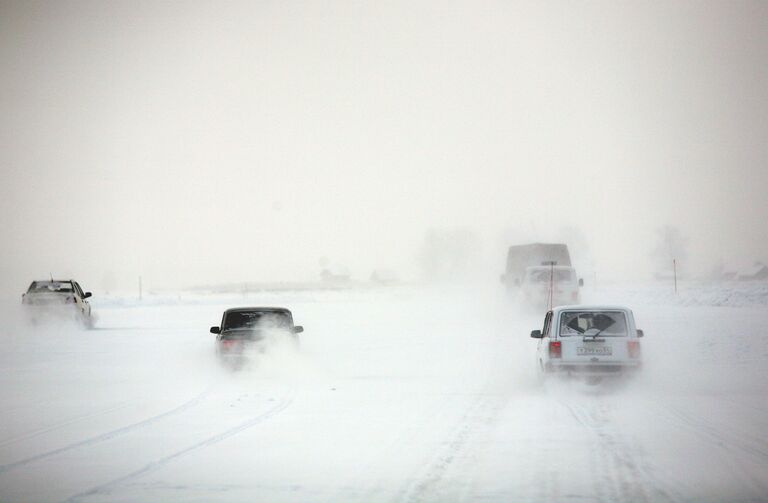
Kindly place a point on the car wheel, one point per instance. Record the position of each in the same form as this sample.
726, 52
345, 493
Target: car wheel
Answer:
541, 374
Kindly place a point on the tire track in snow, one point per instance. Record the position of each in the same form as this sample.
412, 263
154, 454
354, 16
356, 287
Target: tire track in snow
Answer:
729, 441
614, 460
482, 411
106, 436
106, 487
61, 424
742, 403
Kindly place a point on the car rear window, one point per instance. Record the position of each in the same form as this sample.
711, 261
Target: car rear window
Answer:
256, 319
603, 323
50, 286
543, 275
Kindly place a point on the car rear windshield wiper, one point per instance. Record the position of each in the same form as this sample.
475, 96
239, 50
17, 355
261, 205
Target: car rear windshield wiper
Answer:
594, 336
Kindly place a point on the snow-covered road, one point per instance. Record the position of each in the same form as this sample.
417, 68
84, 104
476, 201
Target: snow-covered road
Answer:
395, 395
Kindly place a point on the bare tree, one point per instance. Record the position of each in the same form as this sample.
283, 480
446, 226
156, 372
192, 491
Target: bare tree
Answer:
449, 254
671, 245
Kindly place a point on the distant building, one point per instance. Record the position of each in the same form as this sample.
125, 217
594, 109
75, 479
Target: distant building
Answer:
756, 272
335, 276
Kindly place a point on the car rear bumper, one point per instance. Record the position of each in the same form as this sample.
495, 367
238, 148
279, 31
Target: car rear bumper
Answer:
53, 312
542, 301
594, 369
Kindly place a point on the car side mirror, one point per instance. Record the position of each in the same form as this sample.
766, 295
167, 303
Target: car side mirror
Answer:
536, 334
215, 330
581, 281
298, 329
87, 294
640, 333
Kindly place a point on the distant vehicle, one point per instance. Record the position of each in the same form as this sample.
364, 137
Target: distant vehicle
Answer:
384, 277
245, 328
520, 257
562, 280
591, 342
56, 300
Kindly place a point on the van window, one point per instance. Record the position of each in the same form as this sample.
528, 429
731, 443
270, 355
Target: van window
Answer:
547, 324
545, 275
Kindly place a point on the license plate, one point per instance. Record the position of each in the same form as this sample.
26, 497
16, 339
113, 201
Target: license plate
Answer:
597, 351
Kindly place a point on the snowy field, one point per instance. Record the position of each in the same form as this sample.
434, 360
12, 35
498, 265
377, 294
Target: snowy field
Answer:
394, 395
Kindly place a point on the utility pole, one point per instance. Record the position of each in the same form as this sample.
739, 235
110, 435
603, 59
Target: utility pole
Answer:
551, 282
674, 272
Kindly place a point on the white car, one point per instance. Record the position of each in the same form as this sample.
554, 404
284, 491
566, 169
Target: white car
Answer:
589, 341
57, 300
562, 280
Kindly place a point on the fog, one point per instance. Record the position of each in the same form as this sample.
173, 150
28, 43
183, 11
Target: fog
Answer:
367, 166
194, 143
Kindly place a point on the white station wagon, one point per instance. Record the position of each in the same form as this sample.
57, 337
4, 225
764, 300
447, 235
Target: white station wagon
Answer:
537, 281
589, 341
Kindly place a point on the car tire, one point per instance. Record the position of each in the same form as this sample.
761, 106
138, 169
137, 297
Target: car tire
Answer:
541, 374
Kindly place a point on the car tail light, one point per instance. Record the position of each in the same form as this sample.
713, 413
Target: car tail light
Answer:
633, 348
228, 344
555, 349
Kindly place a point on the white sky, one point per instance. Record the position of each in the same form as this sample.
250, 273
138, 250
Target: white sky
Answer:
216, 142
